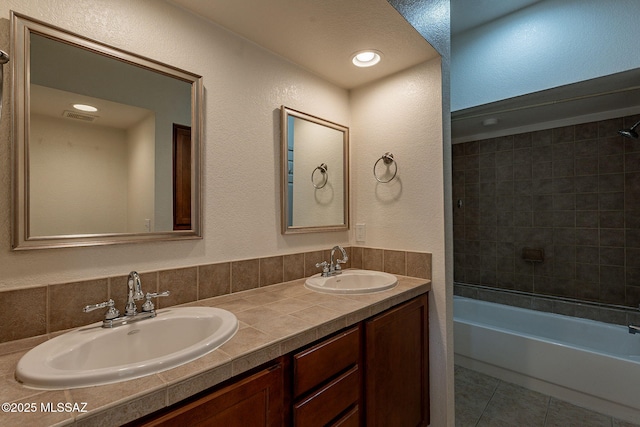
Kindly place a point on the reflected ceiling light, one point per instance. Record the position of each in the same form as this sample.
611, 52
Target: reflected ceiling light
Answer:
366, 58
85, 107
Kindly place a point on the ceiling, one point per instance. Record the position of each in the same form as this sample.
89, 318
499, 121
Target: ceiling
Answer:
597, 99
468, 14
322, 35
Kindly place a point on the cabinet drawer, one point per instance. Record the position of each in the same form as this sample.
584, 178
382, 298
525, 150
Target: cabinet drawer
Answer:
321, 362
350, 419
330, 401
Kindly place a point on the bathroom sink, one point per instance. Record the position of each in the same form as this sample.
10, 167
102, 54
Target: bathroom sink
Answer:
352, 282
93, 355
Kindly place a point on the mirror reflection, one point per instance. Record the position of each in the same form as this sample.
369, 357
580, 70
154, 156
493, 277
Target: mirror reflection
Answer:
315, 173
107, 143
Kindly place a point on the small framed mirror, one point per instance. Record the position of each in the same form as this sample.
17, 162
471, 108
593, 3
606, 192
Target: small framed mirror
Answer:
106, 143
315, 173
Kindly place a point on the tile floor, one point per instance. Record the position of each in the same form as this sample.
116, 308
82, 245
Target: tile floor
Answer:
484, 401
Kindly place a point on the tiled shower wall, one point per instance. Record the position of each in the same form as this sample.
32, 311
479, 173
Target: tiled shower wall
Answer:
572, 191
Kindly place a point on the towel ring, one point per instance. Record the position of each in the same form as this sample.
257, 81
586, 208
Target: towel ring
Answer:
387, 159
323, 170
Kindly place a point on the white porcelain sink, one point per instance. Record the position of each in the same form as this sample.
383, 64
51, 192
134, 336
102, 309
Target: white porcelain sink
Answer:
94, 355
352, 282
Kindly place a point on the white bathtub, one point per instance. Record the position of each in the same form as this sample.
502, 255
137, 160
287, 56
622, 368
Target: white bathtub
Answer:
591, 364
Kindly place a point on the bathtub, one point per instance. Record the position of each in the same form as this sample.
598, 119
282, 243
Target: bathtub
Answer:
585, 362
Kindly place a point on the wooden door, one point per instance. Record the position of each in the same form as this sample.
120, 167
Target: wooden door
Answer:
255, 401
397, 366
181, 177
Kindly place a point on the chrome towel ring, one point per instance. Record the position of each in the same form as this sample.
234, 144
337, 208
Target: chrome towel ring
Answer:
325, 176
387, 159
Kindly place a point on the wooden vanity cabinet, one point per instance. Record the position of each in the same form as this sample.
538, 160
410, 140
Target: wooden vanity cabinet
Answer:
397, 366
375, 373
327, 382
256, 400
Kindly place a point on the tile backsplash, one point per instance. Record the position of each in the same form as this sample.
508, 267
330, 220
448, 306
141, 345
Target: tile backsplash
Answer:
572, 191
46, 309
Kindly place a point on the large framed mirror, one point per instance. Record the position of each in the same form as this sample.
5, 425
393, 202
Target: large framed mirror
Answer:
315, 173
106, 143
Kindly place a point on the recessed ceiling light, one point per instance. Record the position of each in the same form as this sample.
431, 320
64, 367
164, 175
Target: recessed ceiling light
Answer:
366, 58
490, 121
85, 107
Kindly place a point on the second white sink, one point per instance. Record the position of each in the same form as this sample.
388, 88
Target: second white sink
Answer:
93, 355
352, 282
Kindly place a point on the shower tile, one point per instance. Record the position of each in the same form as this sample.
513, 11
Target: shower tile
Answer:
504, 143
611, 164
542, 170
609, 127
563, 185
522, 156
610, 146
541, 137
632, 162
612, 219
472, 147
541, 154
563, 134
586, 166
587, 148
487, 145
586, 202
586, 184
587, 219
586, 131
522, 140
611, 201
487, 160
562, 168
611, 183
612, 256
612, 237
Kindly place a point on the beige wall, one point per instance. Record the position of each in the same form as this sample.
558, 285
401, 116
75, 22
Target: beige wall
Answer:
402, 115
81, 175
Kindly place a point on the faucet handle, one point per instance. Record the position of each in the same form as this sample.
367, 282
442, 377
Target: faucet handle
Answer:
324, 265
112, 312
148, 305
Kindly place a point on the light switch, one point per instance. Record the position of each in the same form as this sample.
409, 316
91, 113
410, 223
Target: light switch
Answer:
360, 232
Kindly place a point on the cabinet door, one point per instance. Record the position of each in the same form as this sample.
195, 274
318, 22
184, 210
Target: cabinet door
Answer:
397, 366
254, 401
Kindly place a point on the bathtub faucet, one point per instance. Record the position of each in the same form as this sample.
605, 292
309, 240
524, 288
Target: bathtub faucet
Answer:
634, 329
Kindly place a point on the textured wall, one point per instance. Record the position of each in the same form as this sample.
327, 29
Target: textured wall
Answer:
549, 44
244, 88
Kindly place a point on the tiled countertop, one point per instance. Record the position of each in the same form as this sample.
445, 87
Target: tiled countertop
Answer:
274, 321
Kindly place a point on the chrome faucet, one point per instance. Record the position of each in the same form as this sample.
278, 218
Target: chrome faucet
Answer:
336, 268
135, 293
113, 318
331, 268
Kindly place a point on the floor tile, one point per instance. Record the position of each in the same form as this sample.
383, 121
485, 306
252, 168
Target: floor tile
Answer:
484, 401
